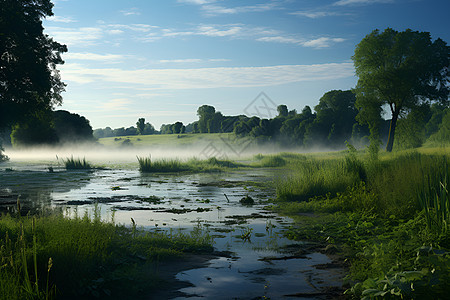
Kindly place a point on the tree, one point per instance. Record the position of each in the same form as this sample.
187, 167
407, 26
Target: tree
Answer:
177, 127
38, 129
282, 110
29, 80
72, 127
335, 116
140, 124
205, 116
401, 70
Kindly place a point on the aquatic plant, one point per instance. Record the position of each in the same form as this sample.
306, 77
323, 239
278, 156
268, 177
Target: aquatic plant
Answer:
146, 165
76, 164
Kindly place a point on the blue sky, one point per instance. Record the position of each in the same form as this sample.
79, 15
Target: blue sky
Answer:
162, 59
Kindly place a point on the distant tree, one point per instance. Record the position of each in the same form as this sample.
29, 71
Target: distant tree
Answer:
206, 115
29, 79
140, 124
177, 127
131, 131
282, 110
166, 129
401, 70
149, 129
119, 131
335, 116
71, 127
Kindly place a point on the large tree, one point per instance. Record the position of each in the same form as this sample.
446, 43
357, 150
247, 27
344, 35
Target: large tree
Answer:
401, 70
29, 79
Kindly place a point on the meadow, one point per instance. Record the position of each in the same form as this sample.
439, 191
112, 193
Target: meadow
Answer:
383, 218
387, 218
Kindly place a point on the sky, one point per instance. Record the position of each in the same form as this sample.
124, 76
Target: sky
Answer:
162, 59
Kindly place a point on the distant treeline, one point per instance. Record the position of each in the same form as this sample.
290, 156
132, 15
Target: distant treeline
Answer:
331, 124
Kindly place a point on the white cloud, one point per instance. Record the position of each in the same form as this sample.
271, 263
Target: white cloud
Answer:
60, 19
201, 78
117, 104
315, 14
84, 36
130, 12
211, 9
280, 39
93, 56
360, 2
192, 60
322, 42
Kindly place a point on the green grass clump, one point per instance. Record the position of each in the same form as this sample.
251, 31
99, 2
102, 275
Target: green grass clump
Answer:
146, 165
388, 217
272, 161
82, 258
77, 164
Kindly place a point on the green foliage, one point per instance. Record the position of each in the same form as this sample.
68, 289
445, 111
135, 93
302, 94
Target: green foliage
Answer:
381, 223
36, 130
402, 70
29, 81
146, 165
76, 164
272, 161
435, 201
85, 257
71, 128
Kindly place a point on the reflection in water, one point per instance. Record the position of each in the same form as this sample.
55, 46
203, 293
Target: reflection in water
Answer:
182, 201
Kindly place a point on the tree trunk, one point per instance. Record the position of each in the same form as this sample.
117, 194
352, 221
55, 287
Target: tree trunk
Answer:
392, 126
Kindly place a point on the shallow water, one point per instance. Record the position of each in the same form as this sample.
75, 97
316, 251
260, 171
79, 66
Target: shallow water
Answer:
182, 202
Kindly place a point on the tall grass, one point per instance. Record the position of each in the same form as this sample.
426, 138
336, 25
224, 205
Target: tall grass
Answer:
81, 258
76, 164
435, 201
147, 165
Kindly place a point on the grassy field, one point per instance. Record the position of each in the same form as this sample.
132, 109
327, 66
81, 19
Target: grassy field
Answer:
388, 218
51, 256
167, 140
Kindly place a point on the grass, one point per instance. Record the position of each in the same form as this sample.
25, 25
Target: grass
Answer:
76, 164
388, 217
52, 256
147, 165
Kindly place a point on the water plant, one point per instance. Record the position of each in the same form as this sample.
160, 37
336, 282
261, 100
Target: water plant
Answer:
76, 164
146, 165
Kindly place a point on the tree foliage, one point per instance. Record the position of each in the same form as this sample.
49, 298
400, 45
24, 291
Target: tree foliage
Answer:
401, 70
29, 79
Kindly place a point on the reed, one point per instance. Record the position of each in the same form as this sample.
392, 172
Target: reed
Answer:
76, 164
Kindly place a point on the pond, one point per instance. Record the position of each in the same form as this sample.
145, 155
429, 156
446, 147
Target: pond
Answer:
260, 263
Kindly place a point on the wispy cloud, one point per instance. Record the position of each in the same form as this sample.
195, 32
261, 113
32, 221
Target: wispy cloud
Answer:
94, 57
60, 19
315, 14
212, 8
192, 60
360, 2
201, 78
322, 42
117, 104
130, 12
84, 36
